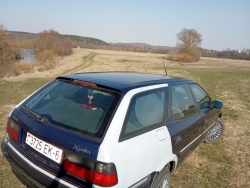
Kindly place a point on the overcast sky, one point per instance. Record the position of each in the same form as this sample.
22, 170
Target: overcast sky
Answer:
222, 23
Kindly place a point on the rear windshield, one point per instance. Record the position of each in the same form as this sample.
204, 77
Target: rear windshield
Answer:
73, 106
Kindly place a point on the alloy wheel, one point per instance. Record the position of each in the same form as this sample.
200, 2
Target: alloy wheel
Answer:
215, 132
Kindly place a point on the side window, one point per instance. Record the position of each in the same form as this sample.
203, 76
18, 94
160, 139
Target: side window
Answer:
201, 96
146, 110
182, 102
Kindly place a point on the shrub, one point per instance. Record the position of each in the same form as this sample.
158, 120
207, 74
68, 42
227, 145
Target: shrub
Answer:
46, 60
193, 56
49, 45
52, 40
21, 68
8, 53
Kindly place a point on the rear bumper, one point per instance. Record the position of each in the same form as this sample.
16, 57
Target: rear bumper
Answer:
27, 172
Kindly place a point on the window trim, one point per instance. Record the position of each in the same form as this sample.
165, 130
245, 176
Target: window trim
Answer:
195, 99
124, 137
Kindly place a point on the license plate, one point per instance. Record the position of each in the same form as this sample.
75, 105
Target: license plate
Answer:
44, 148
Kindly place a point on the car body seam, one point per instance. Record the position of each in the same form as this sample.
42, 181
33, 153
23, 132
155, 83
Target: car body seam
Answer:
197, 137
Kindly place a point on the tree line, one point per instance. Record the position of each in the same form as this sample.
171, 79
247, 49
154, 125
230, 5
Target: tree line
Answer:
227, 54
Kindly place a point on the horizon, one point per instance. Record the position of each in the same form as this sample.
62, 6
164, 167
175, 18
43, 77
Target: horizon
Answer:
223, 25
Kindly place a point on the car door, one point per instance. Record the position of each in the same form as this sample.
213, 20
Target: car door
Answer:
186, 126
204, 103
144, 145
144, 131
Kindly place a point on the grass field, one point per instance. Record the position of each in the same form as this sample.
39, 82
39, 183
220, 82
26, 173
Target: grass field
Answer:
222, 164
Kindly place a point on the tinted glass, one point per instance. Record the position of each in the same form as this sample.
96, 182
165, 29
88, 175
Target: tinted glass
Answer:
201, 96
72, 106
182, 102
145, 111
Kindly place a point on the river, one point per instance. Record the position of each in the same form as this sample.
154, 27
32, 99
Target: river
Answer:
28, 55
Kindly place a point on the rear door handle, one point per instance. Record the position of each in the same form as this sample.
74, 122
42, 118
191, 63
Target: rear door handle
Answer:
161, 134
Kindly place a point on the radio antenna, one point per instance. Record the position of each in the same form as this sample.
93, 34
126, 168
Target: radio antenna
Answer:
164, 67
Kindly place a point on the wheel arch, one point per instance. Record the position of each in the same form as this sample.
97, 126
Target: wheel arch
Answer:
220, 115
171, 164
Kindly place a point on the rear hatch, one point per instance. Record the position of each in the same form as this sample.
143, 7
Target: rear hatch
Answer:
60, 128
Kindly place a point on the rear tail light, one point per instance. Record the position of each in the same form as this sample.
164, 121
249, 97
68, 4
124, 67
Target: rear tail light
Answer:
13, 130
78, 171
103, 174
105, 180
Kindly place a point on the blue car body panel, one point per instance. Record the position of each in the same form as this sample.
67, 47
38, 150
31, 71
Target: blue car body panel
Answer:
72, 142
123, 81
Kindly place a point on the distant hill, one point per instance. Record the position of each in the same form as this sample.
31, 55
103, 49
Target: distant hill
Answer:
22, 35
28, 36
89, 42
142, 47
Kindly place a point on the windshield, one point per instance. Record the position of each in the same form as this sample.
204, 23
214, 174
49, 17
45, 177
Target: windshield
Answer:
73, 106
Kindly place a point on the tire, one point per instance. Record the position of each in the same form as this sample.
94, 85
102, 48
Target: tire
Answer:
163, 180
215, 132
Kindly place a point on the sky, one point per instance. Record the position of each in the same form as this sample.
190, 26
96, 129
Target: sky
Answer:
223, 24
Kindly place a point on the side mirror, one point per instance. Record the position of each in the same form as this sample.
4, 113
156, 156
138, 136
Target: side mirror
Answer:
217, 104
204, 105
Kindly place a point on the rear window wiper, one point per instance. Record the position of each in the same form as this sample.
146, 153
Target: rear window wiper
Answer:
37, 116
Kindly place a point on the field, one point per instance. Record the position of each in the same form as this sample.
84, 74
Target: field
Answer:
222, 164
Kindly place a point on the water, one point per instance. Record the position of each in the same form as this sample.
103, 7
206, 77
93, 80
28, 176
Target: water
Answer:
28, 55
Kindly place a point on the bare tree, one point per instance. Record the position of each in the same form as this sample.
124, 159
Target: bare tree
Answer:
188, 42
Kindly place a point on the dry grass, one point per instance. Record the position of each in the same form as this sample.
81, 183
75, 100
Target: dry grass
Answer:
21, 67
46, 59
222, 164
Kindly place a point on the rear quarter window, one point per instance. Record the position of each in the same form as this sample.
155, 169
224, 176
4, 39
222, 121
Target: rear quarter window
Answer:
146, 111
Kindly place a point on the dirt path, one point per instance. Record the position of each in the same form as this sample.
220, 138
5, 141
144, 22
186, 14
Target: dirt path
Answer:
88, 60
69, 64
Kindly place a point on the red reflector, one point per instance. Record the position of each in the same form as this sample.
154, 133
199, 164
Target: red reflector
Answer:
105, 179
12, 133
85, 83
78, 171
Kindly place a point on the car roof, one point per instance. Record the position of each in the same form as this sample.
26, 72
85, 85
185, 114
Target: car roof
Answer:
123, 81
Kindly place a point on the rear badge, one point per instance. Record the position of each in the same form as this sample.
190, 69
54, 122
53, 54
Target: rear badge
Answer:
78, 149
